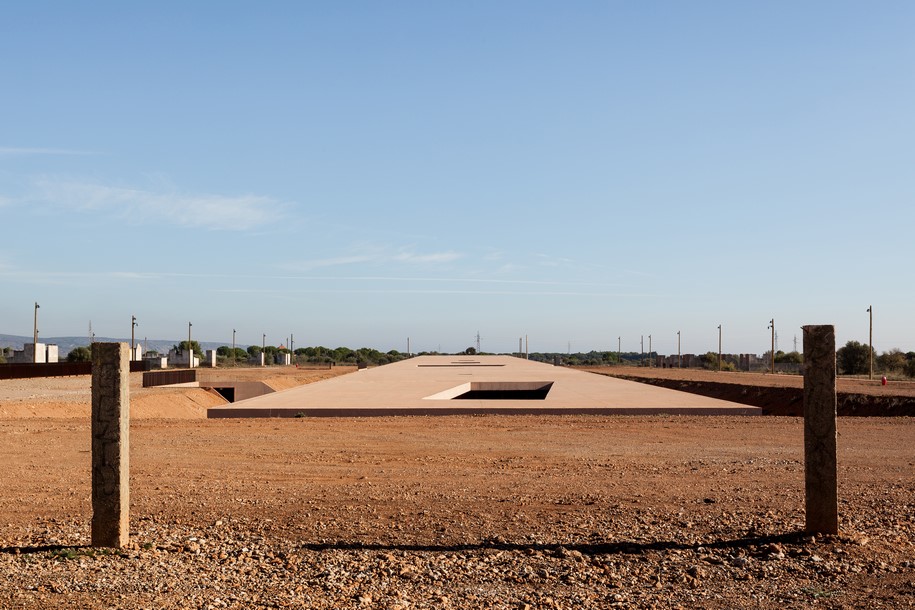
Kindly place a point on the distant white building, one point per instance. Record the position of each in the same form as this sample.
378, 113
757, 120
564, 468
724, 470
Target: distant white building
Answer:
46, 352
180, 358
156, 361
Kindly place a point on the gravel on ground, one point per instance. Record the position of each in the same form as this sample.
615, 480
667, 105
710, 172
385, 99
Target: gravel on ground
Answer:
460, 512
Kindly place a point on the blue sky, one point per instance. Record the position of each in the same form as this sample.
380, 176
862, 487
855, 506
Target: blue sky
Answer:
359, 173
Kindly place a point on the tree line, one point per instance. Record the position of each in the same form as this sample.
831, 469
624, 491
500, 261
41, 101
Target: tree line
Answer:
851, 359
313, 355
854, 358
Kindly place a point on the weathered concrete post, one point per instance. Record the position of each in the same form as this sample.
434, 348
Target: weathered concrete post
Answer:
110, 445
820, 471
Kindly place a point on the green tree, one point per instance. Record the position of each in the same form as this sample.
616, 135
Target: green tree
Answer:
343, 354
892, 361
853, 358
790, 357
910, 367
80, 354
194, 346
254, 351
470, 351
710, 361
224, 351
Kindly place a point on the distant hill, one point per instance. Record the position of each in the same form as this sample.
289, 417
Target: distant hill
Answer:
65, 344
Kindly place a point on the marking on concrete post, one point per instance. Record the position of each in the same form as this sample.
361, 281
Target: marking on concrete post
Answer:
820, 469
110, 445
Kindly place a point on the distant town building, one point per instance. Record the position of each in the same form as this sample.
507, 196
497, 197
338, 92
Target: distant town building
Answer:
183, 358
156, 361
46, 352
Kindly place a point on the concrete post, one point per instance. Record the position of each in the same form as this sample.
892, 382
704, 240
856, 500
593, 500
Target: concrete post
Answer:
110, 445
820, 469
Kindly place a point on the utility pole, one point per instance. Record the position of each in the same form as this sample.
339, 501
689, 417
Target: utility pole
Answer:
527, 347
641, 350
408, 347
520, 353
233, 344
870, 341
719, 348
133, 325
619, 350
190, 351
679, 359
649, 351
35, 336
772, 358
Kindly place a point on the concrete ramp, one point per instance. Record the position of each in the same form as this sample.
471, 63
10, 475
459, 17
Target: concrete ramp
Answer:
468, 385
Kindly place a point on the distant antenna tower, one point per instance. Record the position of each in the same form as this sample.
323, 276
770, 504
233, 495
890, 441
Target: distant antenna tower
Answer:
91, 336
478, 341
795, 343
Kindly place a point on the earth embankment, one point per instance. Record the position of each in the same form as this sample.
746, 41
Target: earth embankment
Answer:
777, 394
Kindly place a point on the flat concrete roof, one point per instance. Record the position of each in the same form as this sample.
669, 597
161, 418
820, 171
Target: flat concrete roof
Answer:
431, 385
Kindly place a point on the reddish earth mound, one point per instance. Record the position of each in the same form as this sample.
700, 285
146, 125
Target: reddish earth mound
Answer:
777, 395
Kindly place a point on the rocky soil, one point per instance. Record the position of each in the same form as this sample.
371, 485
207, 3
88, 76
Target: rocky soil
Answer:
459, 512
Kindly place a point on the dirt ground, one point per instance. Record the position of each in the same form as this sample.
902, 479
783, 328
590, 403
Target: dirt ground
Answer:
456, 512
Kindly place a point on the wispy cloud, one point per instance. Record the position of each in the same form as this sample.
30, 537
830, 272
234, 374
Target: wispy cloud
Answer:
375, 256
434, 257
139, 206
13, 151
318, 263
132, 275
334, 284
64, 278
548, 260
454, 291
